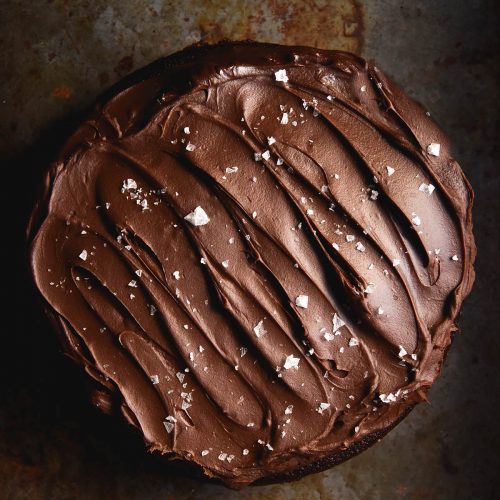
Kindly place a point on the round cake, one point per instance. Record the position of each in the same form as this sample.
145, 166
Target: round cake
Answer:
258, 253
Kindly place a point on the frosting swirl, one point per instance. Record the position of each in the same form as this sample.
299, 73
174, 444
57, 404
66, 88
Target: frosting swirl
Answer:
258, 253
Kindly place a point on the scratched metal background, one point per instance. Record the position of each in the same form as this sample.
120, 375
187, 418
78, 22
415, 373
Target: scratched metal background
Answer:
56, 56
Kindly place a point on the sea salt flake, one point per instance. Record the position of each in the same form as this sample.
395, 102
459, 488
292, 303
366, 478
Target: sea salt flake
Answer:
243, 351
271, 140
205, 452
289, 410
138, 272
434, 149
231, 170
310, 211
302, 301
396, 262
129, 184
380, 311
370, 288
328, 336
176, 275
426, 188
198, 217
360, 247
284, 119
186, 130
152, 310
245, 452
180, 376
155, 379
259, 329
353, 342
335, 245
390, 170
322, 407
455, 258
222, 456
291, 362
225, 263
387, 398
402, 352
190, 146
83, 255
169, 426
132, 283
374, 195
281, 76
349, 238
337, 322
416, 219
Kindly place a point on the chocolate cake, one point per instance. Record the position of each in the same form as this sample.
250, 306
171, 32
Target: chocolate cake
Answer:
258, 253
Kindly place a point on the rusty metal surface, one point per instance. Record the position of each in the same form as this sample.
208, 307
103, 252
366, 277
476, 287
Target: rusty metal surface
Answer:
56, 56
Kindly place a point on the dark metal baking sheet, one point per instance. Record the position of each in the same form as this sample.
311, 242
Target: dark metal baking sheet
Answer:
56, 56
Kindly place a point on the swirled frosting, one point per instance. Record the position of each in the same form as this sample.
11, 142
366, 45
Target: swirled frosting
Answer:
258, 253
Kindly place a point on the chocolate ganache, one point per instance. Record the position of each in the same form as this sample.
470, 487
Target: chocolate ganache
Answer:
259, 252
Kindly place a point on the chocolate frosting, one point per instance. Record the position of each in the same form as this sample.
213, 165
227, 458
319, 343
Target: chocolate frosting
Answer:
259, 252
